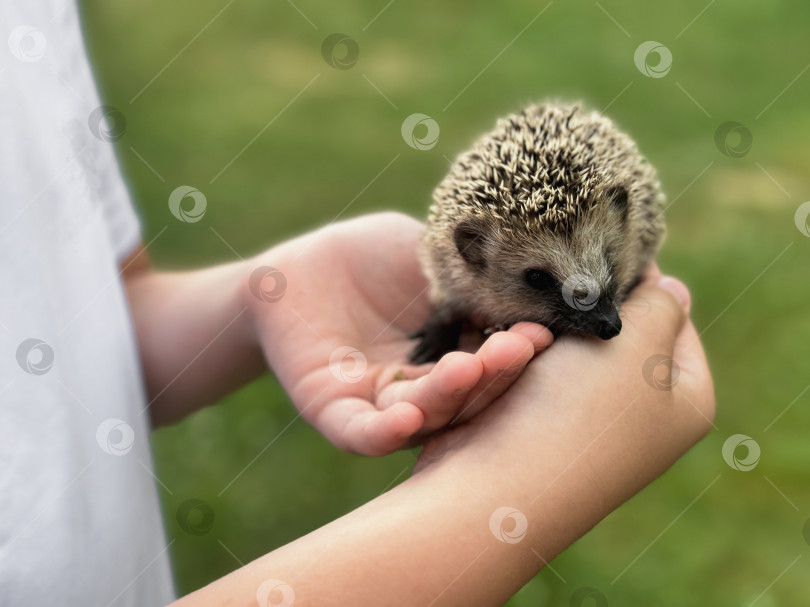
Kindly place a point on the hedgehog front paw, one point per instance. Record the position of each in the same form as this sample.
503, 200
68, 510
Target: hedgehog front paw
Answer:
496, 328
436, 339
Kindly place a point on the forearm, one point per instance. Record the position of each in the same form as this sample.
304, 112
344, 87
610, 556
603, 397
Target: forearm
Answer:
583, 429
195, 336
564, 465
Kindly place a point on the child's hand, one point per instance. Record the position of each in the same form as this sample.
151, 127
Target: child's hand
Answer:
579, 433
338, 338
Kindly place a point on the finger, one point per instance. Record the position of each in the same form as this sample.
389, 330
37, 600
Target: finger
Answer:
652, 272
504, 356
654, 312
447, 390
678, 290
356, 425
688, 348
694, 381
539, 335
689, 376
442, 392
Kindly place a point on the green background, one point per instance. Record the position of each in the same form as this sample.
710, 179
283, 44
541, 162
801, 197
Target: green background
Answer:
215, 82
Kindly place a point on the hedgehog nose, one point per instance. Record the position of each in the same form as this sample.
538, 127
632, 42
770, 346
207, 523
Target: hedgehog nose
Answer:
610, 325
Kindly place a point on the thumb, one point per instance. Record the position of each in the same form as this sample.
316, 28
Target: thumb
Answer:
695, 380
656, 311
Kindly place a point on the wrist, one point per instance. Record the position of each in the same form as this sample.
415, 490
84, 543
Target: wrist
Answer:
262, 288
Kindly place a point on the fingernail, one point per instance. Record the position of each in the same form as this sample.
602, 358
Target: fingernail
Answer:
678, 290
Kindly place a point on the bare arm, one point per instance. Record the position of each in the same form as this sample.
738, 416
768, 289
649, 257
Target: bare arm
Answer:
354, 286
578, 434
196, 339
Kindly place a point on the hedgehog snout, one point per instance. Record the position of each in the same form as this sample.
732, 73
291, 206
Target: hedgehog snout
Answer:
602, 321
609, 325
609, 329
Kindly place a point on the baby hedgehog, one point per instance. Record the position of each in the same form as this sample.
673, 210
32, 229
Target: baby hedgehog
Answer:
550, 218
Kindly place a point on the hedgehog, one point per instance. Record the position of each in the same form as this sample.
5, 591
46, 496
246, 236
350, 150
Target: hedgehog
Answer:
550, 218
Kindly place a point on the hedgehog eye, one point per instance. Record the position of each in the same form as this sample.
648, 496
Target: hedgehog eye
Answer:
538, 279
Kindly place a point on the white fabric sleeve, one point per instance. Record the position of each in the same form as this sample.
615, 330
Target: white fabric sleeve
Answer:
123, 224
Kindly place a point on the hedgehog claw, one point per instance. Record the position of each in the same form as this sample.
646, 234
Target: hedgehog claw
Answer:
497, 328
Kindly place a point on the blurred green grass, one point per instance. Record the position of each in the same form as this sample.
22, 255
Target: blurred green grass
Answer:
732, 217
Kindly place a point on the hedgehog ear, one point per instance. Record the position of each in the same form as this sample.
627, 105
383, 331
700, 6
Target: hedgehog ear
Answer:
617, 195
470, 242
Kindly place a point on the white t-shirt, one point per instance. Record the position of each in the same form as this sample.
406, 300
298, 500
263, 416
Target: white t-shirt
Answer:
79, 515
